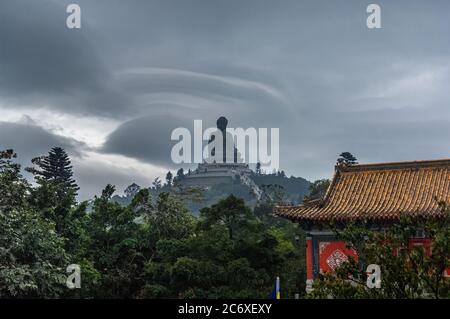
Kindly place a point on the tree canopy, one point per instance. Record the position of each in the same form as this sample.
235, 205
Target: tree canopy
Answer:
407, 271
347, 158
153, 247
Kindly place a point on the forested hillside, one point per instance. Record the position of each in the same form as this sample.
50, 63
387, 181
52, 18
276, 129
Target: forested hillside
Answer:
291, 189
153, 247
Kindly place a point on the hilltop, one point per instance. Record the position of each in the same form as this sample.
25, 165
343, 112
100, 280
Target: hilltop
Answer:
292, 190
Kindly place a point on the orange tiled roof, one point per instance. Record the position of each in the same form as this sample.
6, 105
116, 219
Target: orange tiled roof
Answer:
379, 192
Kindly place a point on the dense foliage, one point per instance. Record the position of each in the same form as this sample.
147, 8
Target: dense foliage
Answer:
153, 247
31, 252
407, 270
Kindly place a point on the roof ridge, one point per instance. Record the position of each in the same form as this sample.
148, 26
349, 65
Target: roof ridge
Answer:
394, 165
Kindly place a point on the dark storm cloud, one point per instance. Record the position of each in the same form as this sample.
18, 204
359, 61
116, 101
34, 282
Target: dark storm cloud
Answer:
147, 138
175, 98
310, 68
42, 62
29, 140
335, 79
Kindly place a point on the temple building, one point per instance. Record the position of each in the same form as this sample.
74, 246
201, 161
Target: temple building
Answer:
378, 193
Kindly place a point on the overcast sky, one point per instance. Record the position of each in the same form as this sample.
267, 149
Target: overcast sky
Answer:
111, 92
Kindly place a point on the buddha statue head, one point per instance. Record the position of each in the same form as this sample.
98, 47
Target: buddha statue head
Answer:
222, 123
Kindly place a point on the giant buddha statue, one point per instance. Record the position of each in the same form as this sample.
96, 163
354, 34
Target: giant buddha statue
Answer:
225, 152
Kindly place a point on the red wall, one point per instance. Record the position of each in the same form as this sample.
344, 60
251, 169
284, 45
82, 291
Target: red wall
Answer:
332, 254
426, 243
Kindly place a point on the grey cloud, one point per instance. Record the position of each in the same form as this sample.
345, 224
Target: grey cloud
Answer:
29, 141
42, 62
147, 138
95, 176
311, 68
150, 80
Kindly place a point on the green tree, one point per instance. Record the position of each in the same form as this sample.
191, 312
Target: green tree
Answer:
13, 186
318, 189
347, 158
208, 262
56, 168
170, 218
169, 178
56, 194
180, 173
231, 212
157, 185
258, 168
151, 248
116, 248
132, 190
32, 255
289, 236
406, 271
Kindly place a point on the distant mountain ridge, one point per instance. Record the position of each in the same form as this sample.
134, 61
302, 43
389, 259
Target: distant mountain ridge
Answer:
293, 188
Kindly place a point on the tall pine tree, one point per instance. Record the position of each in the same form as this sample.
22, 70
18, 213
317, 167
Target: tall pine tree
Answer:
57, 189
56, 168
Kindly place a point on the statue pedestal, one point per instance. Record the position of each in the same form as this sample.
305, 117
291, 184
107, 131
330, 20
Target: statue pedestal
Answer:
216, 173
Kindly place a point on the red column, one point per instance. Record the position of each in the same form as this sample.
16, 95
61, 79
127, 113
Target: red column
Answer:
309, 258
309, 264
